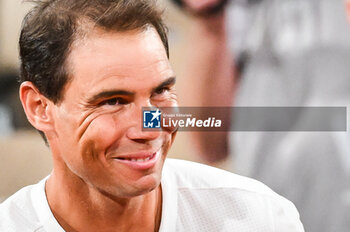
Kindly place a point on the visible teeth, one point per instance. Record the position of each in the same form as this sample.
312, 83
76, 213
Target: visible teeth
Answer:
137, 160
140, 160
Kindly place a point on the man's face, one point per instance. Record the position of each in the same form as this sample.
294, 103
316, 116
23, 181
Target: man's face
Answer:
98, 125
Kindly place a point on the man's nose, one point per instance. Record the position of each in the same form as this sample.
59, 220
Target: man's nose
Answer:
138, 134
136, 131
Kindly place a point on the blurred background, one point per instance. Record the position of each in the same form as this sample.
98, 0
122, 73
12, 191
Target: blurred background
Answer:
229, 53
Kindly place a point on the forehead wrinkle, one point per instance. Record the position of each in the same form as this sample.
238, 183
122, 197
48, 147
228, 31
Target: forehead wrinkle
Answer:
161, 70
160, 63
123, 72
127, 72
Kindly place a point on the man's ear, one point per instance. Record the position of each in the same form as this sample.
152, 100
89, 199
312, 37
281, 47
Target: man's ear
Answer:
36, 106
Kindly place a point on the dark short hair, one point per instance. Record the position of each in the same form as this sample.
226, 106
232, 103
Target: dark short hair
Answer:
50, 28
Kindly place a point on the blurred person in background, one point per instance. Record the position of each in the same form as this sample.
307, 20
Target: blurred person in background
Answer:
277, 53
12, 116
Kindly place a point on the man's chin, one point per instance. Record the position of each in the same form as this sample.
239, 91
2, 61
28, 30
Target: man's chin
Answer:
141, 187
145, 185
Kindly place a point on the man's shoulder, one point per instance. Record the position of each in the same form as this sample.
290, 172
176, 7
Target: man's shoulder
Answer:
195, 175
230, 198
17, 213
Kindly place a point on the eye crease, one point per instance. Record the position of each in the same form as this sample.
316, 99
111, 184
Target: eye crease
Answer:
114, 101
161, 90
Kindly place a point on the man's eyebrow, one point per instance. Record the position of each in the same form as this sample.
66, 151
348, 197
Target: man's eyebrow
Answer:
169, 81
109, 93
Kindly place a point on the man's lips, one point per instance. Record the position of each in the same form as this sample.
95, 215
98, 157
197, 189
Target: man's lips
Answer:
140, 160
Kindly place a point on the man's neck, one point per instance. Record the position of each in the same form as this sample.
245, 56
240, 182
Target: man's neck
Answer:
82, 208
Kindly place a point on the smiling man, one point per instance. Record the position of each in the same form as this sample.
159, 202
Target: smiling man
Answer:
88, 67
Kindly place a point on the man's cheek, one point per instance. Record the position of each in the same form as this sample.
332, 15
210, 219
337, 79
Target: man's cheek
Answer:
104, 130
167, 140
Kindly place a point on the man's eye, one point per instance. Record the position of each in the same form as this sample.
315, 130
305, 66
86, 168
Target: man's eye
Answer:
114, 101
161, 90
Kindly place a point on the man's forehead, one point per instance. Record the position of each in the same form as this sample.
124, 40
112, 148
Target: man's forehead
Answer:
102, 51
106, 59
100, 43
87, 31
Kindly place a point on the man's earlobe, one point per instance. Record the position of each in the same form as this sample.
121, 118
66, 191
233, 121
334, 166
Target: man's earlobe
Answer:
36, 106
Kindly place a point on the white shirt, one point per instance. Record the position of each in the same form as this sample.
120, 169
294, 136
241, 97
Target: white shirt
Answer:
196, 197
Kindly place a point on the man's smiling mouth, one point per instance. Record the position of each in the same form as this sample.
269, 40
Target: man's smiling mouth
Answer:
140, 160
137, 159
